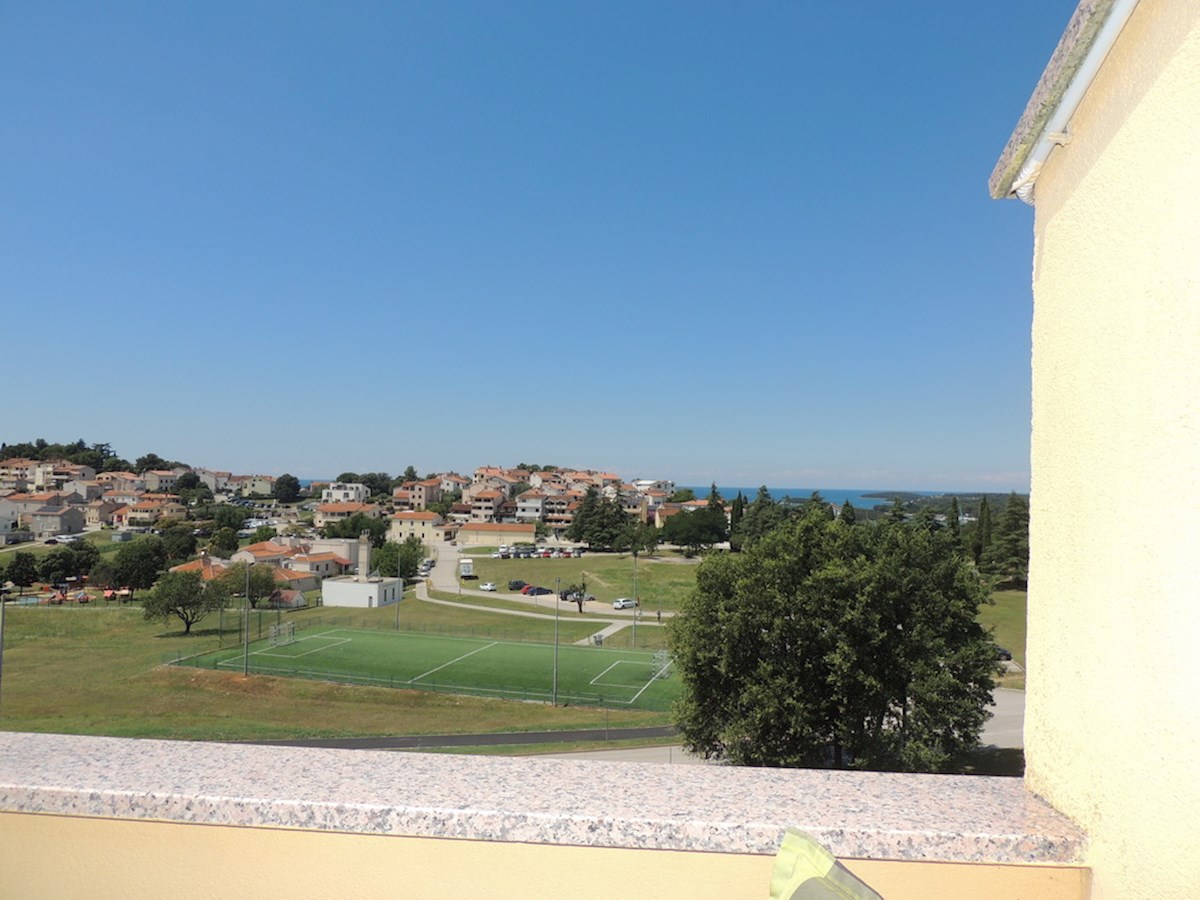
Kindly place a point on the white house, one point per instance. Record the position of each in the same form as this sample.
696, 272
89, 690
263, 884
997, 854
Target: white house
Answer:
345, 492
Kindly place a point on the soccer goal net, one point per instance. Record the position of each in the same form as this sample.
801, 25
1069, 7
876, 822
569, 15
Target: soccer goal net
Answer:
281, 634
662, 664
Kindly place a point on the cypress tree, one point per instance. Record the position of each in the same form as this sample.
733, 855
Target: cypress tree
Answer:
983, 531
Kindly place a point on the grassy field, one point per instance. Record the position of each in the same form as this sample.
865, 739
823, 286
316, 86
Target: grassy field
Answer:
597, 676
98, 671
1007, 619
661, 581
102, 539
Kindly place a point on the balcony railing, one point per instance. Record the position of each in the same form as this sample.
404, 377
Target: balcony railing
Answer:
552, 826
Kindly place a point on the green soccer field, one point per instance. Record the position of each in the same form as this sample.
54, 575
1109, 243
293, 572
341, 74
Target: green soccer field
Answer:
598, 676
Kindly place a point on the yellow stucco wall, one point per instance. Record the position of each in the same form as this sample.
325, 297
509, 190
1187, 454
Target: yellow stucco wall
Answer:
1112, 730
64, 858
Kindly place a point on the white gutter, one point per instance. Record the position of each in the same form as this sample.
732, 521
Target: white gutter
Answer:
1055, 131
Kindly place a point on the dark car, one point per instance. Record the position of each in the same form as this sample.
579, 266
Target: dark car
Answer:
516, 585
536, 591
1003, 654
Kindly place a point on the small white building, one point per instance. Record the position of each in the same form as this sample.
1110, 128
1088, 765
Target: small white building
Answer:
362, 590
345, 492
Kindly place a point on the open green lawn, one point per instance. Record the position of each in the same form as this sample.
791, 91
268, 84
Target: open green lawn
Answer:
102, 539
597, 676
1007, 619
94, 670
661, 581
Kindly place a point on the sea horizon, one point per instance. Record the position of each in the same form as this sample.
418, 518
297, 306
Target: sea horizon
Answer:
857, 496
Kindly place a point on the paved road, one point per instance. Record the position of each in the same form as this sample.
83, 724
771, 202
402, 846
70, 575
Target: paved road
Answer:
1003, 730
416, 742
444, 577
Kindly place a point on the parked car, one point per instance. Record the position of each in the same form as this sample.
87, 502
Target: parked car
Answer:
516, 585
527, 589
624, 603
537, 591
1003, 654
487, 586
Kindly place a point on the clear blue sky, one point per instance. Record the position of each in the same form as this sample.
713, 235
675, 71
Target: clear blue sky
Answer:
749, 243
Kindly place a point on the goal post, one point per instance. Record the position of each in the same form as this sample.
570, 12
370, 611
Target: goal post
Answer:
282, 634
662, 664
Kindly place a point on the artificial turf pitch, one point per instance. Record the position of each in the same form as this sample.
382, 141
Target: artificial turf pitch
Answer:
516, 671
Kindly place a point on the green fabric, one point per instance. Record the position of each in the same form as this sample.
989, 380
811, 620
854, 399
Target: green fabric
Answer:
804, 870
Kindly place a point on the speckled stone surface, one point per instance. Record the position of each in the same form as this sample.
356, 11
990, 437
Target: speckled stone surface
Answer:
716, 809
1077, 39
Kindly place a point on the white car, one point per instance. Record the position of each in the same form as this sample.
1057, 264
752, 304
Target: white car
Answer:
624, 603
488, 586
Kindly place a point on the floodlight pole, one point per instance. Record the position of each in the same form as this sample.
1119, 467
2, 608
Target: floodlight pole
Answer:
246, 623
637, 609
556, 605
1, 636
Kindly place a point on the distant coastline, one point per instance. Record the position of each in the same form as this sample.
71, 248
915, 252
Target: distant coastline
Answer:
863, 498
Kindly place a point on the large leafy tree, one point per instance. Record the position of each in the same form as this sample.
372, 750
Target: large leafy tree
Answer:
229, 516
224, 543
22, 570
637, 538
99, 456
185, 596
598, 522
826, 644
58, 565
355, 525
697, 530
102, 574
258, 578
378, 484
138, 565
153, 461
287, 488
179, 542
403, 559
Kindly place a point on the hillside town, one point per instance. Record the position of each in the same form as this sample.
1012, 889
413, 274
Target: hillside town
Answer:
42, 499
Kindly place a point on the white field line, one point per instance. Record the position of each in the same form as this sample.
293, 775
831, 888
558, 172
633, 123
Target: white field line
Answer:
322, 648
597, 682
453, 661
650, 682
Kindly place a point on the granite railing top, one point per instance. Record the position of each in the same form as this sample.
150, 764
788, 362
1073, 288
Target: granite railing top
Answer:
719, 809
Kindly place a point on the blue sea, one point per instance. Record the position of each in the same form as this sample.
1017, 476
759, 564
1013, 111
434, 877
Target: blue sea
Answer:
856, 496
